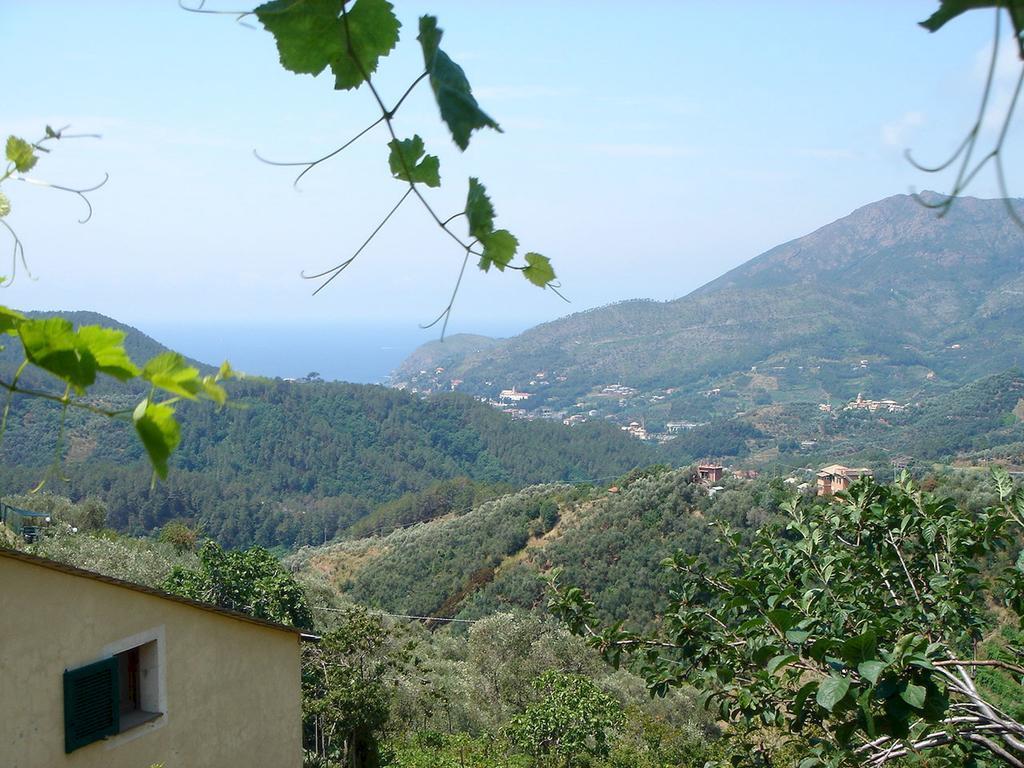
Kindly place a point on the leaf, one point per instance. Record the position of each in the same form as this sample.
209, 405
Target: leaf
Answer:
53, 345
311, 36
170, 372
106, 345
479, 210
499, 249
21, 153
950, 9
831, 691
214, 391
538, 269
1003, 482
159, 432
798, 636
801, 698
780, 661
454, 97
10, 319
412, 169
914, 695
308, 32
870, 670
5, 205
859, 648
373, 31
782, 619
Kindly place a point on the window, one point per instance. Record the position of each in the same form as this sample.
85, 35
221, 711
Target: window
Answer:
111, 696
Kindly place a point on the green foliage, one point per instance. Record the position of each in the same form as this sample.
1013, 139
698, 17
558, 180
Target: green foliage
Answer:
574, 719
313, 35
294, 463
409, 162
180, 535
20, 154
538, 270
459, 109
350, 39
72, 358
951, 9
140, 561
855, 624
250, 581
347, 683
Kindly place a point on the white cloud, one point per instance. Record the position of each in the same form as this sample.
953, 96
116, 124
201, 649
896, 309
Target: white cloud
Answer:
897, 132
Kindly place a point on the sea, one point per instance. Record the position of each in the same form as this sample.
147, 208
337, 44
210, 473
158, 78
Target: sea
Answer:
358, 354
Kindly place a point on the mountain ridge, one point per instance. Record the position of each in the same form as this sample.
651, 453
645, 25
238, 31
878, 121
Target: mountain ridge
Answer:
913, 302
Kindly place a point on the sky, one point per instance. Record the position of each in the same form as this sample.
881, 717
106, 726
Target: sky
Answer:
648, 147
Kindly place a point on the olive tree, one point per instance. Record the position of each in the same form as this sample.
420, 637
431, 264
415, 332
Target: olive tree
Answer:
852, 625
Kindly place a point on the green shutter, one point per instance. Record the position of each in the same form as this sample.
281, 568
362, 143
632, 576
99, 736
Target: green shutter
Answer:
92, 709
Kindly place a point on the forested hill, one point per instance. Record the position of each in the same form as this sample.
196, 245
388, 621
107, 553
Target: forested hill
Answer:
293, 462
890, 300
137, 344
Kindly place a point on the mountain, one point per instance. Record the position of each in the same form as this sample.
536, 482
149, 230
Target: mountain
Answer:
292, 462
891, 301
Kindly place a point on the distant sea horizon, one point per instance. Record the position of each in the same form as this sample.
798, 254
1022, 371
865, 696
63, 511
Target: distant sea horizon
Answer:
357, 354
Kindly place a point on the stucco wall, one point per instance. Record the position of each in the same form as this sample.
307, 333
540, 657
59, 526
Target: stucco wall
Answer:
231, 689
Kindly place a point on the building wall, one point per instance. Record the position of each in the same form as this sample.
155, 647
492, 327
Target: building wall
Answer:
230, 690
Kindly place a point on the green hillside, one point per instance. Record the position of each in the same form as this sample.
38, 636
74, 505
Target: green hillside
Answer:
890, 301
295, 462
488, 559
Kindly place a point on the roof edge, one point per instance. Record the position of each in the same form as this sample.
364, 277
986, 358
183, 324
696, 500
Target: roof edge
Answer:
73, 570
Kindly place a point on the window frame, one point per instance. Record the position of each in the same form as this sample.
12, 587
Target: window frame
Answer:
147, 651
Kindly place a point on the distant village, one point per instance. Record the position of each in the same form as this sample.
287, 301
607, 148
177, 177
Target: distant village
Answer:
615, 402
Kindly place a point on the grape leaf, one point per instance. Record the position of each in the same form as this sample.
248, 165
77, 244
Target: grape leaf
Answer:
170, 372
311, 36
479, 211
373, 30
499, 248
159, 432
413, 169
454, 97
5, 205
538, 269
53, 345
10, 320
214, 391
308, 33
106, 345
20, 153
950, 9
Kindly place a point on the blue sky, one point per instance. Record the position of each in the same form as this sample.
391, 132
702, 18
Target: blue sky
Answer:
648, 147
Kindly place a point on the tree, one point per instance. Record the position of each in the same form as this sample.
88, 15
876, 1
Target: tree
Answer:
180, 535
855, 625
251, 581
348, 680
573, 720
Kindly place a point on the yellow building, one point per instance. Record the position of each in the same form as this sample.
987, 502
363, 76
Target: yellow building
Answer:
100, 673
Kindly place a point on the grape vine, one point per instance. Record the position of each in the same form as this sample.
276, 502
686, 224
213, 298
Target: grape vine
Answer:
350, 37
964, 156
76, 356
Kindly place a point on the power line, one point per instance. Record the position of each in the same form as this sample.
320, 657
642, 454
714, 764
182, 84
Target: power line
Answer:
399, 615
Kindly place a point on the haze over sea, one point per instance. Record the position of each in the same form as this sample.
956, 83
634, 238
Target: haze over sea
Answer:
359, 354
